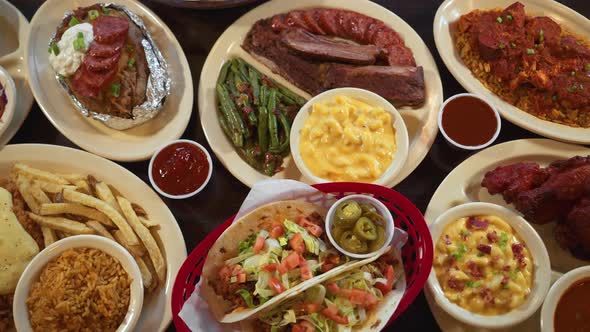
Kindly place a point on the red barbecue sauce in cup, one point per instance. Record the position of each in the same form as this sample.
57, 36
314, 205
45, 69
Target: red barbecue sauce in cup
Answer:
180, 168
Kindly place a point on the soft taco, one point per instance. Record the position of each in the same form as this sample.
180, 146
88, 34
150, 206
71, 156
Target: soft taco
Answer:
274, 251
358, 299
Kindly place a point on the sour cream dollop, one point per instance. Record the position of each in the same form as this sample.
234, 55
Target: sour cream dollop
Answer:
69, 59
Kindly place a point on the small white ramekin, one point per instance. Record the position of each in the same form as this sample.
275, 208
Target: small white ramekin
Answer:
401, 132
556, 292
36, 266
468, 147
542, 266
165, 194
381, 208
10, 92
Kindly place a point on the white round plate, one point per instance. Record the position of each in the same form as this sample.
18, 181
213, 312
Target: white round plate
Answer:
133, 144
463, 185
421, 122
14, 29
451, 10
157, 313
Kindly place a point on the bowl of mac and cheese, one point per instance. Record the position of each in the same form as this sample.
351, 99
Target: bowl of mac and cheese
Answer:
491, 269
349, 135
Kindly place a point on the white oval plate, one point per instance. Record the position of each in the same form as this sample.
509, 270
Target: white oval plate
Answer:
463, 185
134, 144
157, 312
421, 122
450, 11
14, 29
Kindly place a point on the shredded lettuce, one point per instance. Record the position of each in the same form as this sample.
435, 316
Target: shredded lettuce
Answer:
247, 297
283, 241
252, 264
247, 244
261, 288
315, 294
288, 318
239, 258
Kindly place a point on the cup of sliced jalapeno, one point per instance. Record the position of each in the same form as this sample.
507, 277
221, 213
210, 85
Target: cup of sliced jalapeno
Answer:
359, 226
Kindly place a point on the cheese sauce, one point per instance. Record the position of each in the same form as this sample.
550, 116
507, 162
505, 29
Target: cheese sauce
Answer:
345, 139
69, 59
483, 265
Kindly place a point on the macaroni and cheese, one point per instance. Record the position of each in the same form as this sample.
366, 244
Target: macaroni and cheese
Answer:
345, 139
483, 266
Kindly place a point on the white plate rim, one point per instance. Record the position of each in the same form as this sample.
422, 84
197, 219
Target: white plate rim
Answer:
227, 44
174, 244
476, 162
138, 151
16, 70
443, 38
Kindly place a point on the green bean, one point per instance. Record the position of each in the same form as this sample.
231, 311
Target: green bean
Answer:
250, 156
286, 100
284, 146
243, 67
231, 84
263, 129
272, 120
288, 93
269, 166
223, 124
223, 73
234, 121
254, 77
263, 95
235, 68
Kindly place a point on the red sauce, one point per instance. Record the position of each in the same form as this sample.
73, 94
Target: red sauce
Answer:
573, 310
180, 168
469, 121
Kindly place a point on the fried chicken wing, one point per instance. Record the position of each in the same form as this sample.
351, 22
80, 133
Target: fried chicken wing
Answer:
514, 179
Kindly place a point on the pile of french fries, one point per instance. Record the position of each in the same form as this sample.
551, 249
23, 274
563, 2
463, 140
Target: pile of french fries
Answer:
72, 204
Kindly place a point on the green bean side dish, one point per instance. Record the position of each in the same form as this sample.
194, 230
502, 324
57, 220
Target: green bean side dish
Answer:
256, 113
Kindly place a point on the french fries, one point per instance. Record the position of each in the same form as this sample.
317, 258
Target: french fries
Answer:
109, 211
55, 200
75, 209
146, 237
62, 224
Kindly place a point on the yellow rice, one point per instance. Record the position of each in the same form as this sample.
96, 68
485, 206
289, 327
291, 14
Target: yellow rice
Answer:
83, 289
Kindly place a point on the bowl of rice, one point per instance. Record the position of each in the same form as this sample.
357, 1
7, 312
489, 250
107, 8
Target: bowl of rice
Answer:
83, 282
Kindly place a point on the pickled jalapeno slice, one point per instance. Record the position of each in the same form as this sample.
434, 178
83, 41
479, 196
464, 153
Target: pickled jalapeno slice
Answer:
379, 241
352, 243
365, 229
347, 213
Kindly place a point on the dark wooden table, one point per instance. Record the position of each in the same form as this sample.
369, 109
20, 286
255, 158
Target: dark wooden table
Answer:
197, 31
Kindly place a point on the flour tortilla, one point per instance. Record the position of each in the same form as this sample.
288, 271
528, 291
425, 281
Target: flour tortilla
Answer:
378, 317
226, 247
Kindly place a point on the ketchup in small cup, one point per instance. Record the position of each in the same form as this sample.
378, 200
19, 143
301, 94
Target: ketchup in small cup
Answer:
469, 122
180, 169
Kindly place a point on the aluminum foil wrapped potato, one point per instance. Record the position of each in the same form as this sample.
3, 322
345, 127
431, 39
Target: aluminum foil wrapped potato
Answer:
105, 58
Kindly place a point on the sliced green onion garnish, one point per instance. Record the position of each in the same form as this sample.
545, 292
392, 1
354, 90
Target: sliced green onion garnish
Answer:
530, 51
93, 14
509, 17
79, 44
55, 49
105, 10
115, 89
73, 21
129, 48
80, 35
246, 296
499, 19
131, 62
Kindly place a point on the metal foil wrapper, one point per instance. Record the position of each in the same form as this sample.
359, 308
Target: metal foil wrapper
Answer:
158, 84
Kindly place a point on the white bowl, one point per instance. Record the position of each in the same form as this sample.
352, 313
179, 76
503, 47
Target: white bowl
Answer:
469, 147
542, 266
35, 267
401, 132
556, 292
381, 208
165, 194
10, 92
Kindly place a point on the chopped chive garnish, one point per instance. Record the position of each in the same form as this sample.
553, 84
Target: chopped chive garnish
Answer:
499, 19
55, 49
79, 44
115, 89
73, 21
131, 62
530, 51
476, 284
93, 14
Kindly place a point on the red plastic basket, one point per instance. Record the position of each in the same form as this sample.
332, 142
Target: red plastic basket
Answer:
417, 253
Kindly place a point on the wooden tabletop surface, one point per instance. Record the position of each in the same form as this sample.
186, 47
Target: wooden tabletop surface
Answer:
197, 31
